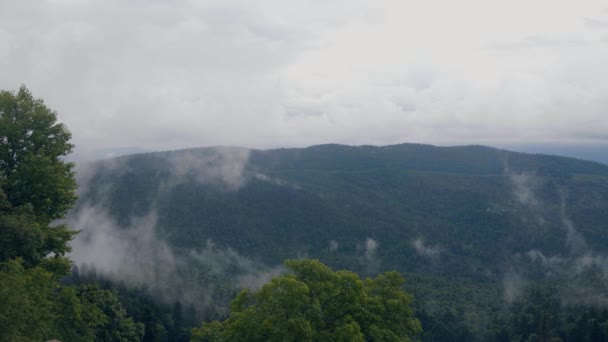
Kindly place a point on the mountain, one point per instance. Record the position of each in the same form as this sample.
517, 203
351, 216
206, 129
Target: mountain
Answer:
468, 222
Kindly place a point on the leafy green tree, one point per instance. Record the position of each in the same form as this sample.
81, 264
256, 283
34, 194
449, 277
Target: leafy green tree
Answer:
33, 307
31, 164
317, 303
37, 186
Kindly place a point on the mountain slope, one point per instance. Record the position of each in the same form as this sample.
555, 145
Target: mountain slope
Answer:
469, 215
472, 227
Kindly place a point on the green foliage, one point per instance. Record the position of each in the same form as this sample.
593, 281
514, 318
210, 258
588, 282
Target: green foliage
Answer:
116, 325
162, 323
76, 320
317, 304
26, 309
31, 166
386, 309
20, 236
33, 306
36, 185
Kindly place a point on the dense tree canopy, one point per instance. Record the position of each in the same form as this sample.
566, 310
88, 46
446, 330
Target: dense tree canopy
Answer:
32, 145
37, 185
316, 303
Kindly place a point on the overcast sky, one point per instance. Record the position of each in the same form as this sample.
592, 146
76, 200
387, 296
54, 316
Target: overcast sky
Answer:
172, 74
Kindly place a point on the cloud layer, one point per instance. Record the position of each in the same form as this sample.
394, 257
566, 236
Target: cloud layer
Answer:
164, 75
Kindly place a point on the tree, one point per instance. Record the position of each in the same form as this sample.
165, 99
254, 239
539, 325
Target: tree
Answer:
116, 324
317, 303
26, 312
37, 186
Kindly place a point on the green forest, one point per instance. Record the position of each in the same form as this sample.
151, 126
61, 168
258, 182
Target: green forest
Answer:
466, 243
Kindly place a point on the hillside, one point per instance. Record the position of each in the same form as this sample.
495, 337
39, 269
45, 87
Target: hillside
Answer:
466, 221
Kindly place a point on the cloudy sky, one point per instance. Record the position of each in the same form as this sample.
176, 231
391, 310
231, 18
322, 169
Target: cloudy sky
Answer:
165, 74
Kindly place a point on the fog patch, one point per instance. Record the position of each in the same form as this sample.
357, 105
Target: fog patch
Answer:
370, 248
275, 181
523, 188
248, 273
333, 245
370, 261
576, 268
427, 251
574, 240
87, 172
133, 254
225, 165
256, 278
221, 166
571, 266
136, 255
513, 286
581, 274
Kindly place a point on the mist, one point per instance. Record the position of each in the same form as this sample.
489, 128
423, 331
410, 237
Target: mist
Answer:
137, 254
576, 256
426, 250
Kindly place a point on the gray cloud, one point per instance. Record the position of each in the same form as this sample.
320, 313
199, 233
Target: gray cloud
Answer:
532, 42
137, 256
160, 75
219, 164
425, 250
596, 23
513, 286
370, 260
333, 245
524, 189
224, 166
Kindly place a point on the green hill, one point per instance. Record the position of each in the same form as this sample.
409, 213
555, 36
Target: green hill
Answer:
466, 224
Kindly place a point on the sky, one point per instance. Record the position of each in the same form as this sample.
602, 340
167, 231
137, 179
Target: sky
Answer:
135, 75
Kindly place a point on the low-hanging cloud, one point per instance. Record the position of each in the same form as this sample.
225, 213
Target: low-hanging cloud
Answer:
572, 271
568, 267
224, 165
524, 186
333, 245
425, 250
370, 260
513, 286
135, 253
574, 240
137, 256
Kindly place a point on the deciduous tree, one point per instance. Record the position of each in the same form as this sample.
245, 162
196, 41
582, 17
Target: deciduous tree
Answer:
37, 185
315, 303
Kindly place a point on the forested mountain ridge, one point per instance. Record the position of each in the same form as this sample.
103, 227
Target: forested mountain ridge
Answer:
343, 193
471, 227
